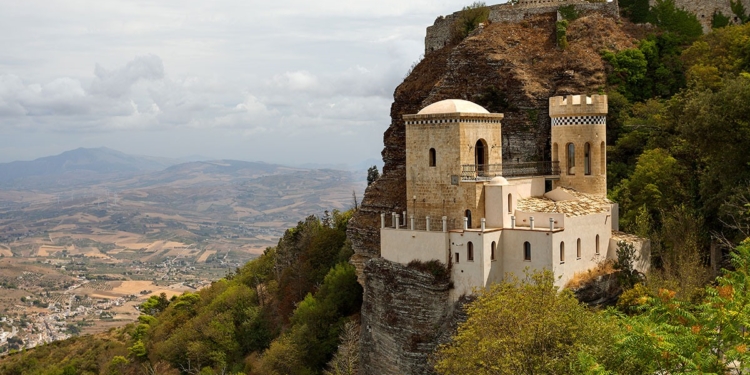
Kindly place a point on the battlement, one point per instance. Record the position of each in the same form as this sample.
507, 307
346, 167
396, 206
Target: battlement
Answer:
578, 105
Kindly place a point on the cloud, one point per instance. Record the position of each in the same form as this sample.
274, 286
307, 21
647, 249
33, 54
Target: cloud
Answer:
116, 83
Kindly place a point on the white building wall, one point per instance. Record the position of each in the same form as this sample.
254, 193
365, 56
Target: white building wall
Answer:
585, 228
513, 251
496, 199
403, 246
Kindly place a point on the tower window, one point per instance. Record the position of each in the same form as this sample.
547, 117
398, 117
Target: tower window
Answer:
433, 157
456, 257
562, 252
578, 249
468, 218
571, 158
587, 159
469, 251
492, 250
526, 250
603, 159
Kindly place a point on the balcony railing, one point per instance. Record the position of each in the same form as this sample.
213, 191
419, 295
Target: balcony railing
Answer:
485, 172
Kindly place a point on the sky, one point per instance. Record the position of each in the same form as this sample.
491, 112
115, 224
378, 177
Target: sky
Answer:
286, 81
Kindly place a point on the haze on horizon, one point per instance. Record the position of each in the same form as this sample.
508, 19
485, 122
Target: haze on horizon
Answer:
286, 82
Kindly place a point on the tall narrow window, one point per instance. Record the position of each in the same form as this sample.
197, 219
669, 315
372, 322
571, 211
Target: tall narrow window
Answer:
587, 158
603, 159
468, 218
578, 249
571, 159
554, 152
480, 157
510, 203
526, 250
456, 257
562, 252
433, 158
470, 251
597, 244
492, 250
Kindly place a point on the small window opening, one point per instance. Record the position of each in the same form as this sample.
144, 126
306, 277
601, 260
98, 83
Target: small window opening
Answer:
526, 250
562, 252
456, 257
597, 244
492, 250
469, 251
433, 158
587, 159
510, 203
571, 159
468, 217
578, 249
603, 159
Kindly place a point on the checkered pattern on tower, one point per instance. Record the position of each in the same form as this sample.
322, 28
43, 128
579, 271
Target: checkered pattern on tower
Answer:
579, 120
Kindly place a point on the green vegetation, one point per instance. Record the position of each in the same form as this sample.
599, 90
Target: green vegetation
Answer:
283, 312
530, 327
561, 32
469, 18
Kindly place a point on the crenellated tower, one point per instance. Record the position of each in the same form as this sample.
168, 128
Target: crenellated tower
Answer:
579, 134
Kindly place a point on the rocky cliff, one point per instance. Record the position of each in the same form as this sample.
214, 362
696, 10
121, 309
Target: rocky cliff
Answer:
508, 68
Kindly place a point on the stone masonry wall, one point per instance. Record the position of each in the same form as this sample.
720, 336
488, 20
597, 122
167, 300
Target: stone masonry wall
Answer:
406, 314
704, 10
439, 34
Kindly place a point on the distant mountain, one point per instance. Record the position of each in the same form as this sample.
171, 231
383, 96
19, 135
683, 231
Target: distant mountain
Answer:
81, 163
213, 172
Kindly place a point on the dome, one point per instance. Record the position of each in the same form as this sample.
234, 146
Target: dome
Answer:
499, 180
452, 106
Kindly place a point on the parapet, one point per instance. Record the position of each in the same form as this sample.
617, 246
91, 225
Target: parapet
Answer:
578, 105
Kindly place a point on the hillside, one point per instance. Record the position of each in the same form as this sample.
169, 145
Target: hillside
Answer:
82, 165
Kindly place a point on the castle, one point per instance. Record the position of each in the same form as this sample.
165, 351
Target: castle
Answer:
486, 218
439, 34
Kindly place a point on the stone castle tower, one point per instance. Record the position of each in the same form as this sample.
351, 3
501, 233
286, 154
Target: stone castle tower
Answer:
579, 135
447, 143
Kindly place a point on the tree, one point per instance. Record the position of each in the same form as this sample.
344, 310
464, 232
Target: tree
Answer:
673, 336
469, 18
527, 327
346, 359
372, 175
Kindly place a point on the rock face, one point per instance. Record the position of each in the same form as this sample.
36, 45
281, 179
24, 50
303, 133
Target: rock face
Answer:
704, 10
406, 314
510, 68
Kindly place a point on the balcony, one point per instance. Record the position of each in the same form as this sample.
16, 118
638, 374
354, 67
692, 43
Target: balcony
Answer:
485, 172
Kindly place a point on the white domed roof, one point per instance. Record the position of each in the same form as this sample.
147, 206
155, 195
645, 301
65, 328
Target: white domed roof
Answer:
452, 106
499, 180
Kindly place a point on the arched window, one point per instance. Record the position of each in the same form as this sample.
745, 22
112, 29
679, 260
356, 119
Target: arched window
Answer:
492, 250
469, 251
510, 203
468, 218
603, 159
578, 249
480, 157
562, 252
526, 250
587, 159
433, 158
597, 244
571, 158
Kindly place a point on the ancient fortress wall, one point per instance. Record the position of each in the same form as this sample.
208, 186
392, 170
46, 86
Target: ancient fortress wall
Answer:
439, 34
704, 10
